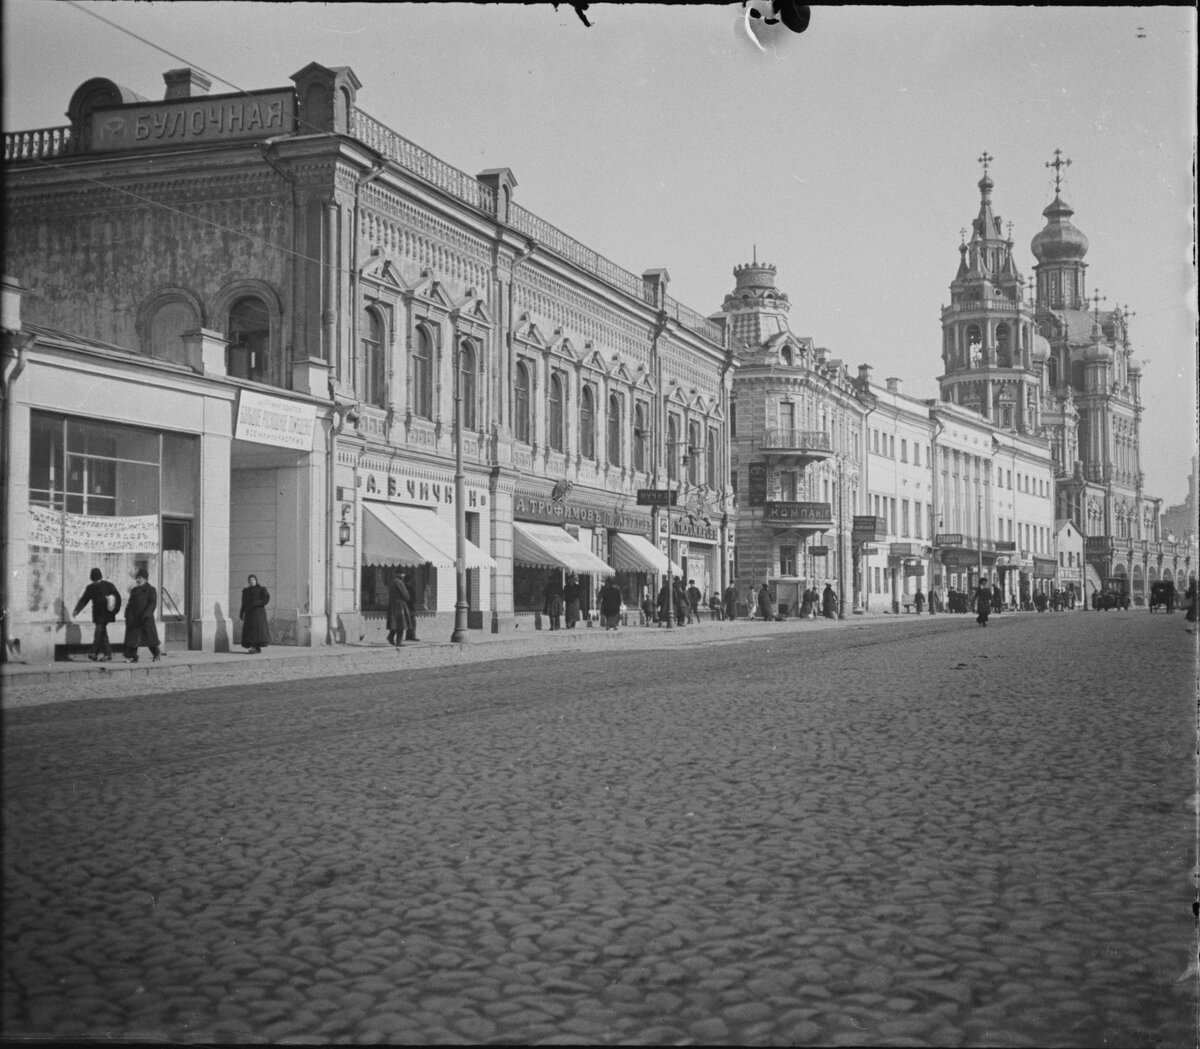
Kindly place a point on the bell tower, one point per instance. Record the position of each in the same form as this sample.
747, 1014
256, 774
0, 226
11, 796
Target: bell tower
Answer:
987, 330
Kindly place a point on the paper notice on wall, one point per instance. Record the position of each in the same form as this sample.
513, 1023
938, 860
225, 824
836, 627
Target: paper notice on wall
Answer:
122, 535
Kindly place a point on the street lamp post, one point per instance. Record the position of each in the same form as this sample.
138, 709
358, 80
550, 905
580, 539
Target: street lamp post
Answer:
459, 634
841, 552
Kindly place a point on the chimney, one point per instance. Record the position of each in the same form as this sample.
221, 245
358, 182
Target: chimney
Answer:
10, 304
864, 375
185, 83
893, 385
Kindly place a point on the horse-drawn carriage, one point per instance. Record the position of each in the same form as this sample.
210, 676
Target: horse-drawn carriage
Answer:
1114, 594
1162, 595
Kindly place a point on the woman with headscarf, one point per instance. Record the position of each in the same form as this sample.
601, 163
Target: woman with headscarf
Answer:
253, 615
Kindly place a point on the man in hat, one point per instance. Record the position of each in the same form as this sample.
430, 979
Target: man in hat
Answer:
105, 600
140, 628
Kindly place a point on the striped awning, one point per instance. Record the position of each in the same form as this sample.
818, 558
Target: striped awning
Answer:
635, 553
548, 546
407, 535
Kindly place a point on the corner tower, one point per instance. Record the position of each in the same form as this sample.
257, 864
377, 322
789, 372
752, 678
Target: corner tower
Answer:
988, 346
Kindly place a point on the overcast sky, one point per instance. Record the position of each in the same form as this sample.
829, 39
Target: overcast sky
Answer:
663, 137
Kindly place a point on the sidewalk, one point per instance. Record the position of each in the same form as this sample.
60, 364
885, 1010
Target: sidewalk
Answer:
27, 684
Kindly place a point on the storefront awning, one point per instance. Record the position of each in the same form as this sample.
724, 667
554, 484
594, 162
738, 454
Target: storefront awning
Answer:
405, 535
635, 553
548, 546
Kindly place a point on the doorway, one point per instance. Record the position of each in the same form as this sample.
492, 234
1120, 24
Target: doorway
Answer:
175, 591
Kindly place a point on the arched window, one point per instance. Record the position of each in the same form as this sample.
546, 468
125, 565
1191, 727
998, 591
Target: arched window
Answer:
672, 449
521, 403
695, 447
370, 378
614, 429
1003, 346
974, 343
587, 422
733, 418
466, 383
249, 334
641, 437
556, 412
710, 461
422, 374
1051, 372
167, 325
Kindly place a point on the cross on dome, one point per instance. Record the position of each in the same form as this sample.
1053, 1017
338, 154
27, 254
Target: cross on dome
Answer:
1058, 164
1096, 299
985, 160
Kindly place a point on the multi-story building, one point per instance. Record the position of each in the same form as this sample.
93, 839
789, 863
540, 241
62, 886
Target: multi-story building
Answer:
267, 333
1091, 393
798, 453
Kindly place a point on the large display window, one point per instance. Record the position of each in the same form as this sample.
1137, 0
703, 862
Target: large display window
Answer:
97, 495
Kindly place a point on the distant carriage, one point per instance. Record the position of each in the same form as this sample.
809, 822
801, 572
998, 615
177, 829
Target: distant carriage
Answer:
1162, 595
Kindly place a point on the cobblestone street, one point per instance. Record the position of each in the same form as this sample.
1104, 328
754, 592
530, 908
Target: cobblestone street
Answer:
902, 832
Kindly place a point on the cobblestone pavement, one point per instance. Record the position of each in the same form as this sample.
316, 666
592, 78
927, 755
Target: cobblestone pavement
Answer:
928, 834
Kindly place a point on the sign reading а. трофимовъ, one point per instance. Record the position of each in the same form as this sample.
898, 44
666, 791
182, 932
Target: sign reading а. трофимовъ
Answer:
187, 121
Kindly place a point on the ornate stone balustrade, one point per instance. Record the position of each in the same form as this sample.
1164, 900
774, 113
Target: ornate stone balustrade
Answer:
40, 144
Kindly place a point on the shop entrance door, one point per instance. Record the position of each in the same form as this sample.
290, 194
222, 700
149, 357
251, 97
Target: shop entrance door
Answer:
175, 593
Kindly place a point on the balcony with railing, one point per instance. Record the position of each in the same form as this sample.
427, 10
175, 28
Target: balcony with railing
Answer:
40, 144
809, 445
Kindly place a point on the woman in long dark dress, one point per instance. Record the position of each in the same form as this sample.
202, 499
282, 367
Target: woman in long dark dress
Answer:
253, 615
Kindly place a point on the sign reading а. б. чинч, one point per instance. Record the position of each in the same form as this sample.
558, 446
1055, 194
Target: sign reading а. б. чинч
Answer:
205, 119
272, 420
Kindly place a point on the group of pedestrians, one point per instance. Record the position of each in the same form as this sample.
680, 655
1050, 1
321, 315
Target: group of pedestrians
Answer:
569, 599
141, 629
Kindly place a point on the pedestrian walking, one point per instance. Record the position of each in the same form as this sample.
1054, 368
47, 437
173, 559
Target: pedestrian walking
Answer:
410, 607
693, 598
997, 598
649, 615
552, 604
1190, 597
610, 604
807, 603
764, 603
731, 602
397, 609
571, 600
681, 603
140, 628
105, 600
828, 602
983, 602
919, 601
255, 631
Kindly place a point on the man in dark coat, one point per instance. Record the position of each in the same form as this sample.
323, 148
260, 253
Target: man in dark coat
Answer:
552, 604
610, 603
397, 610
681, 603
828, 602
730, 602
693, 596
571, 600
410, 607
140, 628
983, 602
105, 600
253, 614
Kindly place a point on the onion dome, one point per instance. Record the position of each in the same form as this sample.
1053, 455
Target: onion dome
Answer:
1041, 347
1059, 240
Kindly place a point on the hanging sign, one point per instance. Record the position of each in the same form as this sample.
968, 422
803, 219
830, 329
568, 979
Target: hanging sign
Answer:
272, 420
101, 535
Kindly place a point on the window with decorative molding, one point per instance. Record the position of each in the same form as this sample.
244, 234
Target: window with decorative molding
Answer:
587, 422
615, 428
521, 429
556, 435
641, 436
467, 387
422, 373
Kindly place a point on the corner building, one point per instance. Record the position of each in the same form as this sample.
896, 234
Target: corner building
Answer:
797, 449
312, 320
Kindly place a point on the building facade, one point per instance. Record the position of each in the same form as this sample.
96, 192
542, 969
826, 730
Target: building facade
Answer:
798, 452
401, 354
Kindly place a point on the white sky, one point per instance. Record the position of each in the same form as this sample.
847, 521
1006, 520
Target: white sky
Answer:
661, 137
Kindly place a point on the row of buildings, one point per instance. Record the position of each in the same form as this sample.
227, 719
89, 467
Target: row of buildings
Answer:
265, 333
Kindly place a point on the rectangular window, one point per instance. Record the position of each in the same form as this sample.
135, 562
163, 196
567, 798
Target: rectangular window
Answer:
787, 560
916, 454
904, 518
875, 441
903, 450
892, 446
916, 517
787, 485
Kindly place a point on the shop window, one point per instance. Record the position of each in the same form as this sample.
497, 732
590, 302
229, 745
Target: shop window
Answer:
167, 325
556, 435
614, 429
422, 374
249, 335
422, 585
587, 422
787, 560
521, 403
466, 384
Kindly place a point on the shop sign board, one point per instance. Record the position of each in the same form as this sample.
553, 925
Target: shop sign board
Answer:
530, 507
108, 535
869, 530
392, 487
657, 496
904, 550
819, 514
1006, 545
819, 551
949, 539
758, 484
274, 421
210, 118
